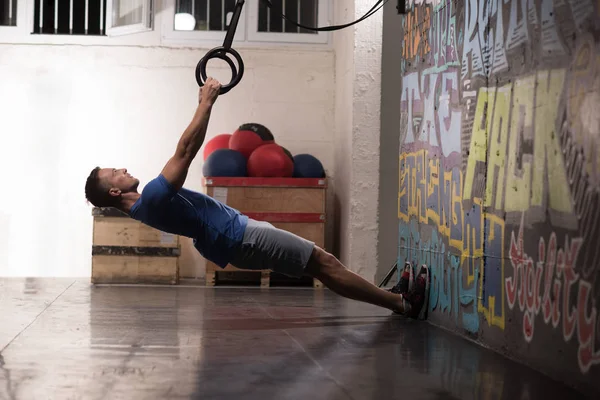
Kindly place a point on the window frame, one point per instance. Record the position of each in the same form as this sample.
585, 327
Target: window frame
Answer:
146, 25
16, 30
160, 31
19, 2
254, 35
170, 36
23, 32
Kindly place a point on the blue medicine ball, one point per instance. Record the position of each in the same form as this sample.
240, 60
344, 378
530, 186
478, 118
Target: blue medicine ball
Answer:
225, 162
308, 166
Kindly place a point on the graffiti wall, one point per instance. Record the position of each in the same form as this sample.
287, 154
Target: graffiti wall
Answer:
499, 189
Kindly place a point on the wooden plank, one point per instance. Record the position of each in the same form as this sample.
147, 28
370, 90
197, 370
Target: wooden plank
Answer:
214, 272
297, 206
216, 275
211, 277
135, 269
314, 232
271, 199
264, 182
286, 217
108, 212
136, 251
117, 231
265, 279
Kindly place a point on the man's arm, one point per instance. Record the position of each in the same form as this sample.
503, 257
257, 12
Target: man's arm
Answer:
176, 169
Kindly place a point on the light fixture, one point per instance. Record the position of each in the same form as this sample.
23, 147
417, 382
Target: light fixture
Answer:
184, 22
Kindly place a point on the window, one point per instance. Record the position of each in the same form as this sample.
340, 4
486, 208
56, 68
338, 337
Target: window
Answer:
195, 20
69, 17
268, 25
304, 12
8, 12
128, 16
91, 17
203, 15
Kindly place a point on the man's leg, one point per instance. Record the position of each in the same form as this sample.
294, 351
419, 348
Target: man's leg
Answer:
333, 274
267, 247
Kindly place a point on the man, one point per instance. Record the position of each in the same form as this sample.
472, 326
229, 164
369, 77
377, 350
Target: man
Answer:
223, 235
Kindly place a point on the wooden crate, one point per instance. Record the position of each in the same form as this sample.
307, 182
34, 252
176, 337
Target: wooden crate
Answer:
292, 204
127, 251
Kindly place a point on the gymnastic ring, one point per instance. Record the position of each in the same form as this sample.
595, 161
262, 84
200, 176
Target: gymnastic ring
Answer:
220, 52
222, 56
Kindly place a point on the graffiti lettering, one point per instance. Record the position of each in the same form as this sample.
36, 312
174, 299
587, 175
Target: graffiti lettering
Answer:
546, 151
411, 104
430, 114
535, 288
586, 199
416, 29
518, 175
472, 56
486, 42
551, 43
581, 10
450, 114
491, 292
429, 194
449, 294
582, 104
522, 12
413, 3
496, 128
444, 46
500, 142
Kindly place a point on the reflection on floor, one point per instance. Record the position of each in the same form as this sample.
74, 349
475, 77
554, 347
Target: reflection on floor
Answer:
63, 338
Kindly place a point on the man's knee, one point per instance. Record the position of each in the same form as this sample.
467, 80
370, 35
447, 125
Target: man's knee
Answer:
322, 263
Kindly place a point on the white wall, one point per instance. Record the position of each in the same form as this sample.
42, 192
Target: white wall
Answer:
387, 251
67, 108
358, 99
343, 42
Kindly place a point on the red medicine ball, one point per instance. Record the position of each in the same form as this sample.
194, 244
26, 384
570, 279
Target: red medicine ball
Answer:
246, 142
270, 161
218, 142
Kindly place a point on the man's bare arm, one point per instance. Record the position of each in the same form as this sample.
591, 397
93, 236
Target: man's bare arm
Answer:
176, 169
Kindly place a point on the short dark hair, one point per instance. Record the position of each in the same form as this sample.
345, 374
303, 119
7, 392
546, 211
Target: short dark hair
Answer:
96, 192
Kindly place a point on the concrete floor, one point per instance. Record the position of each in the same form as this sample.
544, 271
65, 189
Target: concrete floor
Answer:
65, 339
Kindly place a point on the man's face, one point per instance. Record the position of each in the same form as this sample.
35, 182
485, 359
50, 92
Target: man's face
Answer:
118, 180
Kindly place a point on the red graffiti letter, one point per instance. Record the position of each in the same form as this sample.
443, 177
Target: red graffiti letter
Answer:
516, 259
586, 329
551, 259
570, 277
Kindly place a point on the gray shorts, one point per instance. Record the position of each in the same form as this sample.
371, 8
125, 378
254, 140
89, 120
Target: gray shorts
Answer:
267, 247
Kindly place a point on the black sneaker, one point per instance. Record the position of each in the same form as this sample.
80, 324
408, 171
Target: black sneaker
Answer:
405, 282
417, 296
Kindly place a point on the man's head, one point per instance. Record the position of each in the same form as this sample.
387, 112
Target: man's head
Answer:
105, 187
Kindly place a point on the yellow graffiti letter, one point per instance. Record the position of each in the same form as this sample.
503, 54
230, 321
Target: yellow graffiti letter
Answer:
547, 153
521, 126
403, 187
478, 147
434, 190
498, 139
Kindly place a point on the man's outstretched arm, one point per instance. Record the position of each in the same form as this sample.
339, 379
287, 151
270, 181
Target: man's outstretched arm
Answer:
176, 169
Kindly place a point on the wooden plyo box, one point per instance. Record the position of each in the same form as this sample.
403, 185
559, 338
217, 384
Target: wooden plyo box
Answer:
127, 251
296, 205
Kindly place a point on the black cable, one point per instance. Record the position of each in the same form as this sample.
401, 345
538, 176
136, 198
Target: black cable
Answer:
372, 11
221, 51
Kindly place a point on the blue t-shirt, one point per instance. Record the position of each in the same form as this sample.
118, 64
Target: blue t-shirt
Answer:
215, 227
